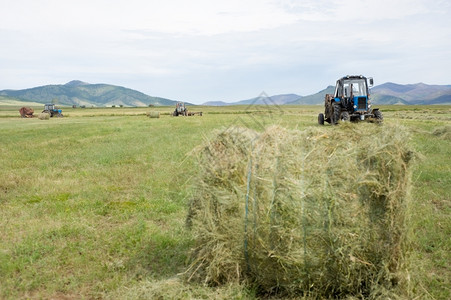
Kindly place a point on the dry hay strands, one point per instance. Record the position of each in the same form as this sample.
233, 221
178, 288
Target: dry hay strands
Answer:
44, 116
319, 212
443, 132
153, 114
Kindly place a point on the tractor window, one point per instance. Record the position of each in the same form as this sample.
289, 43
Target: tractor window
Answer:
338, 90
358, 88
349, 88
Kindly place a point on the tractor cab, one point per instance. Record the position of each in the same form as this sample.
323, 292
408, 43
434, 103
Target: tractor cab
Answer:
352, 92
49, 107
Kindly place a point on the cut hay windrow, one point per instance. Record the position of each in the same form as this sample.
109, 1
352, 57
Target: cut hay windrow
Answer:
320, 212
443, 132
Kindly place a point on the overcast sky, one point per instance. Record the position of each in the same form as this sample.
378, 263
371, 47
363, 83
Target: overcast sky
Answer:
200, 50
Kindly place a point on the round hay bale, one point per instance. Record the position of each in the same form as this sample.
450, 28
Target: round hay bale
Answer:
153, 114
44, 116
319, 212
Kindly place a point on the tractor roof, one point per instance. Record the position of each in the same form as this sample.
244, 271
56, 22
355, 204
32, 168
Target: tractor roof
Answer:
353, 77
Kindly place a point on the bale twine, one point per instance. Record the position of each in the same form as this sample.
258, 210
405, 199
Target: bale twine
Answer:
153, 114
44, 116
319, 212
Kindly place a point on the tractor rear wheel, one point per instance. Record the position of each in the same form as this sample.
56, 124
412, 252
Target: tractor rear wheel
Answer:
321, 119
336, 114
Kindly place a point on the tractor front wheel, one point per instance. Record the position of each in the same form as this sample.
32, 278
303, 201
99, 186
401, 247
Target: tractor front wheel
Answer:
378, 115
345, 116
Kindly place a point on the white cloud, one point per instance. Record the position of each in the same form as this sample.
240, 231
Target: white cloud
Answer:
170, 16
359, 10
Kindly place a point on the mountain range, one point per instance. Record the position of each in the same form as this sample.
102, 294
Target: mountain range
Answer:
81, 93
261, 100
419, 93
385, 94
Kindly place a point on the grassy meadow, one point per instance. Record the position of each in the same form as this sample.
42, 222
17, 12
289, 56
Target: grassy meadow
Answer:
93, 205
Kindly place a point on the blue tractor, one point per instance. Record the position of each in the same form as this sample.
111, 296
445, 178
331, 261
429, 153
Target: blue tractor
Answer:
52, 110
350, 102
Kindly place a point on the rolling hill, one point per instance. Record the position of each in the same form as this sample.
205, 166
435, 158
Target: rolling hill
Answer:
9, 101
82, 93
216, 103
263, 99
418, 93
317, 98
382, 99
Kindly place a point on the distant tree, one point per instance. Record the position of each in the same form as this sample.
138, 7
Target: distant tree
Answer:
151, 105
113, 105
121, 105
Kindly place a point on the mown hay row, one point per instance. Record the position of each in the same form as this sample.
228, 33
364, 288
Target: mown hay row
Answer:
443, 132
320, 212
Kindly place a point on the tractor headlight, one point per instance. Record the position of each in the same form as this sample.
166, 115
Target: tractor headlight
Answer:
355, 106
369, 105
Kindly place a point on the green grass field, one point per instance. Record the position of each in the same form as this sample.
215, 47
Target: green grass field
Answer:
93, 205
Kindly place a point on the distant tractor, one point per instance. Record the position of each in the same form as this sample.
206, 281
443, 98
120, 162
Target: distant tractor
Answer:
52, 110
181, 110
350, 102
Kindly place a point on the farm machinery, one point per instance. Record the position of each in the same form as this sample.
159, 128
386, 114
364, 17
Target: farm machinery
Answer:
52, 110
26, 112
181, 110
350, 102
